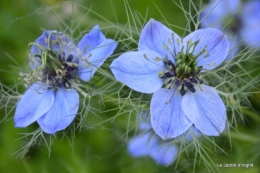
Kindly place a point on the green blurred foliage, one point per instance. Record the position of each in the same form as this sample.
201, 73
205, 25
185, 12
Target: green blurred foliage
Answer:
99, 149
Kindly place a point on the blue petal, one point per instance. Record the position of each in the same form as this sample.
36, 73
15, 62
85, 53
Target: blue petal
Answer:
206, 110
57, 41
62, 113
190, 134
215, 13
167, 117
142, 144
139, 70
92, 60
164, 154
35, 50
250, 31
145, 126
91, 40
42, 41
35, 102
155, 36
216, 43
62, 44
233, 47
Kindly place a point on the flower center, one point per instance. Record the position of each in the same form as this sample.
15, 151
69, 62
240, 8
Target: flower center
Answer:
57, 69
183, 73
50, 64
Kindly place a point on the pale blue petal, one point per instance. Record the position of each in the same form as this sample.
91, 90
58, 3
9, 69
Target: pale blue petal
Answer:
216, 43
91, 40
145, 126
35, 102
215, 13
92, 60
139, 70
155, 36
250, 31
206, 110
42, 42
233, 47
142, 144
191, 133
62, 113
164, 154
62, 44
167, 117
35, 50
58, 42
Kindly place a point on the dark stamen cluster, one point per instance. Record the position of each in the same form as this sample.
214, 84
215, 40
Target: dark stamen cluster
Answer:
183, 73
59, 70
182, 78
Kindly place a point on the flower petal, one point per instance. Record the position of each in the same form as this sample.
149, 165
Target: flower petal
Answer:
190, 134
206, 110
61, 43
142, 144
233, 47
91, 40
250, 31
145, 126
139, 70
95, 58
167, 118
215, 13
62, 113
55, 41
36, 50
164, 154
34, 103
216, 43
155, 36
42, 42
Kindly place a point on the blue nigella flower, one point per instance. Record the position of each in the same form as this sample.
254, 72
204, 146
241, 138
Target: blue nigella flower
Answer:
240, 21
56, 61
169, 67
147, 144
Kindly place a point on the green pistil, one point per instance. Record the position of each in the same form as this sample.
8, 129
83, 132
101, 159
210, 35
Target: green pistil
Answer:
57, 72
52, 61
185, 64
183, 73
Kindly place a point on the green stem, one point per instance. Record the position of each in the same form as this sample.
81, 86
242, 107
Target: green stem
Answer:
243, 137
251, 114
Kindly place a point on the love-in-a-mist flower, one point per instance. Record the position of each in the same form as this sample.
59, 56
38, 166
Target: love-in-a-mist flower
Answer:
56, 62
170, 67
148, 144
240, 21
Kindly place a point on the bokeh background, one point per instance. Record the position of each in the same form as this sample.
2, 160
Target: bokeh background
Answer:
103, 148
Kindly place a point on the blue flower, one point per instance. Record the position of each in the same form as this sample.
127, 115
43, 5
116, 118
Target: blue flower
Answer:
147, 144
56, 61
169, 67
239, 21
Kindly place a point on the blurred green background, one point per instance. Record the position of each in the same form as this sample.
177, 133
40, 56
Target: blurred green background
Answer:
100, 149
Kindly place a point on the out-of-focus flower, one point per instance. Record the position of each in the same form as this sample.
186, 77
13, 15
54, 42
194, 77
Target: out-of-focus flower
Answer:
240, 21
169, 67
162, 152
56, 61
146, 144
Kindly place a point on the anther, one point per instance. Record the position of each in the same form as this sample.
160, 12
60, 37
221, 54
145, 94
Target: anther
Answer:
70, 57
182, 90
165, 47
